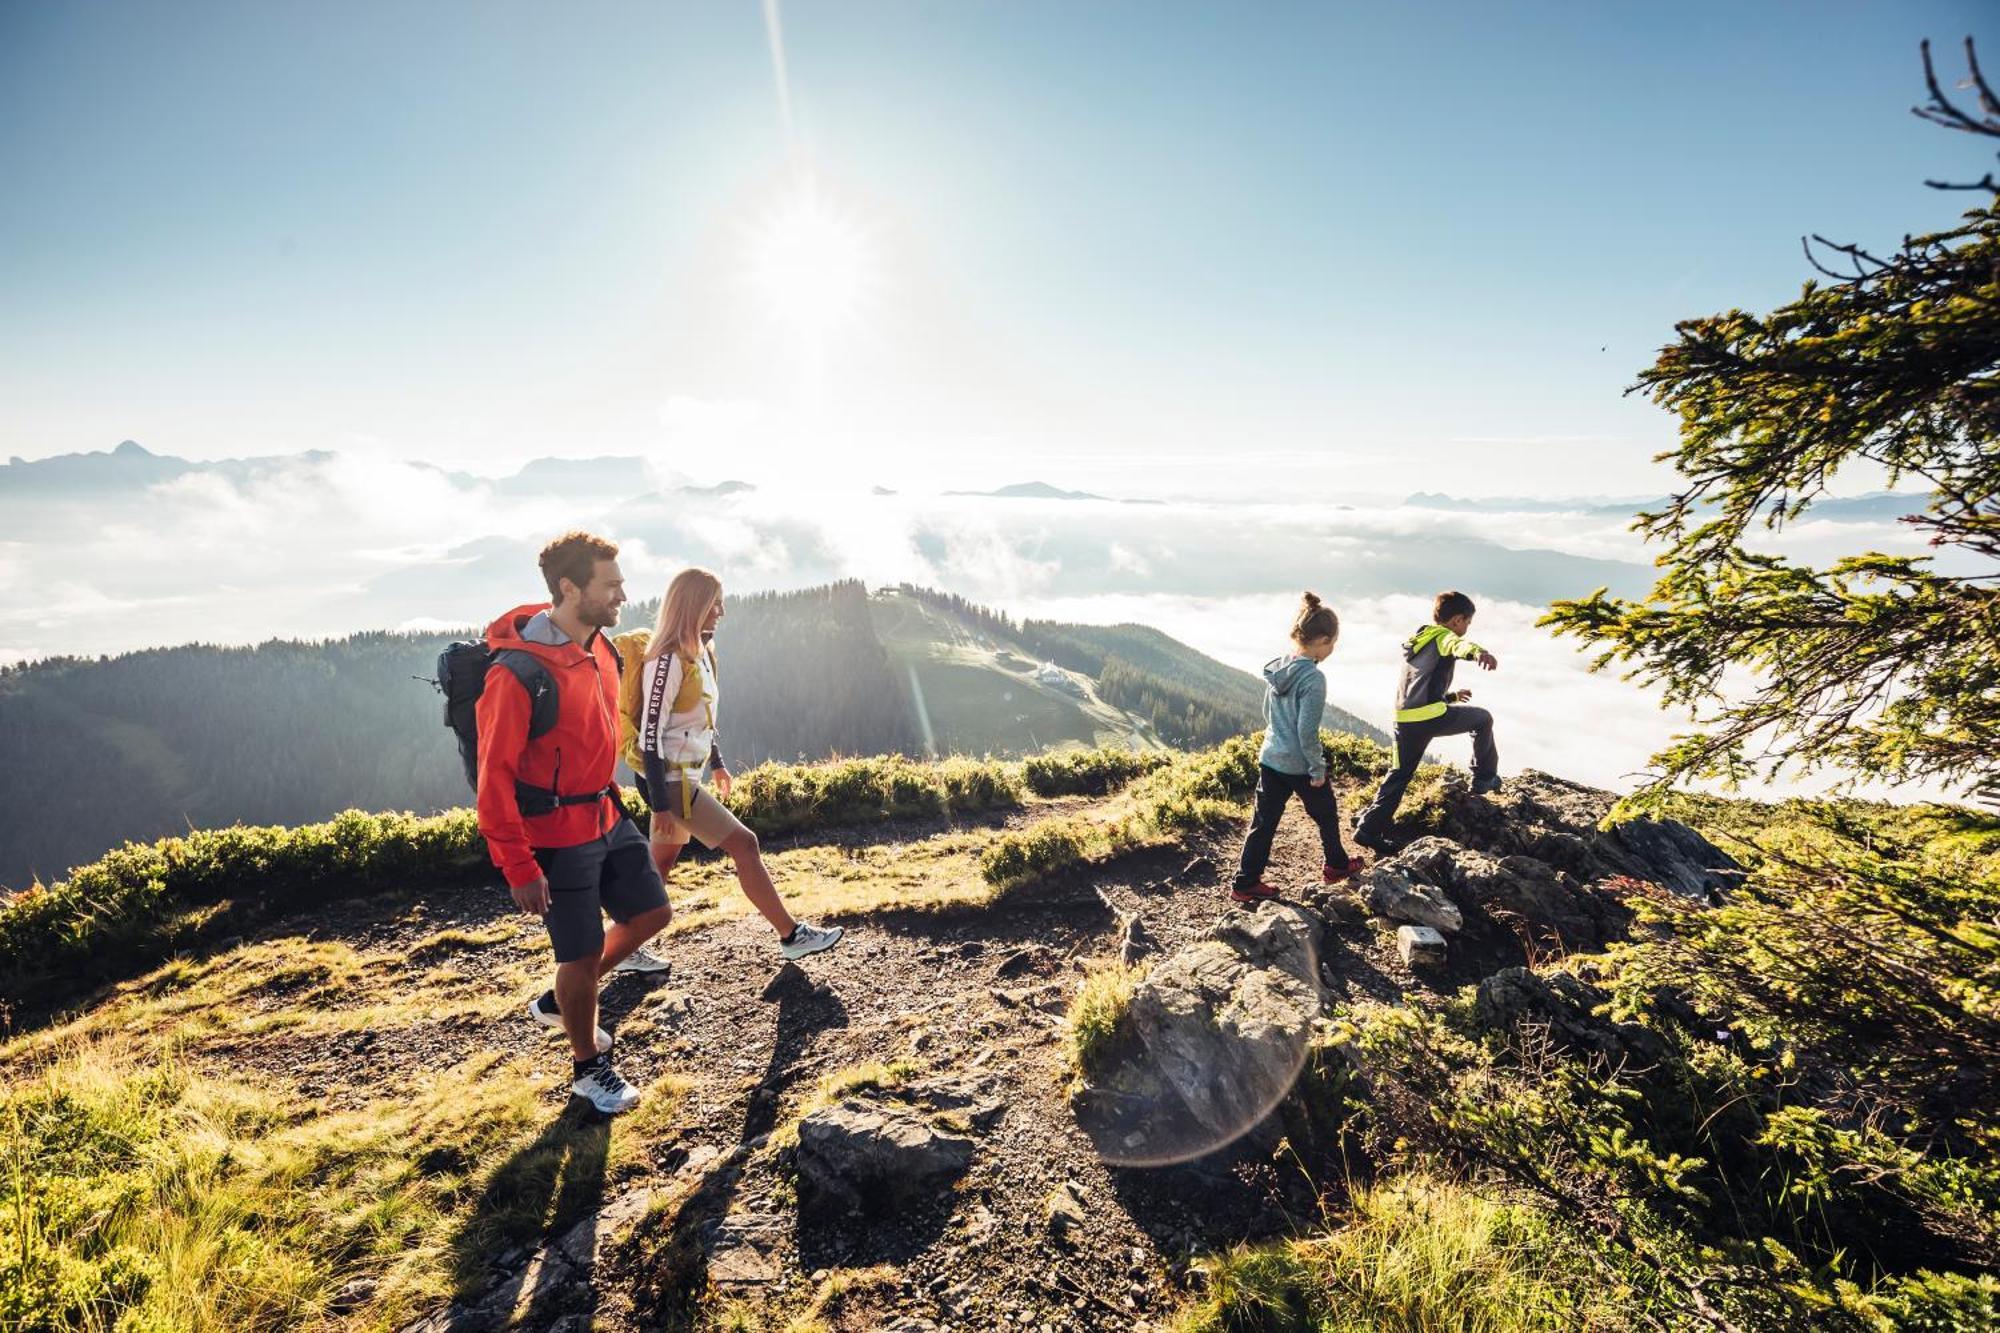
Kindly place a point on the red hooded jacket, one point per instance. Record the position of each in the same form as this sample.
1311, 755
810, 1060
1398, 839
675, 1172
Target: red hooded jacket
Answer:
576, 757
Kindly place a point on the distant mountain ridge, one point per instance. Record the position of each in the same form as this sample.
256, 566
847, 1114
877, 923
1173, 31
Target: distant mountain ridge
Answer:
131, 466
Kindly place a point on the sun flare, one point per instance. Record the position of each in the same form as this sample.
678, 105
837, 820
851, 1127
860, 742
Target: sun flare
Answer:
813, 266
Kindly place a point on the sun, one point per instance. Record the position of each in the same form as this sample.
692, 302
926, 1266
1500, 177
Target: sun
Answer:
813, 266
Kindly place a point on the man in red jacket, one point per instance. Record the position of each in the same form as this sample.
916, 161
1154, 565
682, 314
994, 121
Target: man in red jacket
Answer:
550, 810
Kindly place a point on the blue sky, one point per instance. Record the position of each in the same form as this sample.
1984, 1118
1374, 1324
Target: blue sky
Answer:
1362, 247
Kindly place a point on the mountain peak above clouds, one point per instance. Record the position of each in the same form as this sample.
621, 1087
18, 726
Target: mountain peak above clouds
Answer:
1030, 490
129, 465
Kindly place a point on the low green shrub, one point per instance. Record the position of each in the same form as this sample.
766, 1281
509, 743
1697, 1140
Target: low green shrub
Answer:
775, 799
1420, 1253
972, 786
1190, 792
1097, 1015
1023, 856
1081, 772
1351, 758
141, 902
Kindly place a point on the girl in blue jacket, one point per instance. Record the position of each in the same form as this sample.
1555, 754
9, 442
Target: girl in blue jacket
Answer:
1293, 762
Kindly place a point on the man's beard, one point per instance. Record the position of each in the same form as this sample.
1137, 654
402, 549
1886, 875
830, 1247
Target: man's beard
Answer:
601, 616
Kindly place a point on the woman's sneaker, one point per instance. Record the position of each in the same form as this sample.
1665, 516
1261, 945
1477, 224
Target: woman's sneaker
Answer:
543, 1010
598, 1083
809, 940
643, 960
1260, 892
1334, 874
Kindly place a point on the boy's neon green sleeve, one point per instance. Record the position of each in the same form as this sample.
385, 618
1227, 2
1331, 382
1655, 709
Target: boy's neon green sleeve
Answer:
1450, 645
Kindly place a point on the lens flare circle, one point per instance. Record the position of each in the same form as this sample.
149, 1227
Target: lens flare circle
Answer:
1144, 1122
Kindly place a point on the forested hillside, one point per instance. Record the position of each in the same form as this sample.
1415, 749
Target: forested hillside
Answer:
151, 743
804, 677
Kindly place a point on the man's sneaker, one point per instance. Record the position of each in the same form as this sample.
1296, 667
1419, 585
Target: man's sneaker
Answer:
1485, 785
543, 1010
1379, 846
598, 1083
807, 940
1347, 869
643, 960
1256, 893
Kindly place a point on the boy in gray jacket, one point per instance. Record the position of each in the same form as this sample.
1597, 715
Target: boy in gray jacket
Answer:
1427, 707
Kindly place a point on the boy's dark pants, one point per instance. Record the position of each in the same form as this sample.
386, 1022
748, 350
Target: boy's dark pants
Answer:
1412, 738
1273, 790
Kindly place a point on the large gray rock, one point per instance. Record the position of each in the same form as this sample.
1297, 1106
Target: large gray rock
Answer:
861, 1150
1223, 1022
1429, 860
1389, 892
1669, 853
1544, 904
1563, 823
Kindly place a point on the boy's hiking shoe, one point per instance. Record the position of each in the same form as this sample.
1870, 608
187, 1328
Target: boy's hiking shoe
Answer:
1379, 846
598, 1083
643, 959
543, 1010
1348, 869
808, 940
1485, 785
1260, 892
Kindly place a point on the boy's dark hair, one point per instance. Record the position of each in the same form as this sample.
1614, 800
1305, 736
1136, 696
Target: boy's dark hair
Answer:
1449, 604
574, 556
1314, 621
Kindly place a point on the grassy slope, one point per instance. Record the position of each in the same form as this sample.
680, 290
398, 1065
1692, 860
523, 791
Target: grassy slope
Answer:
981, 697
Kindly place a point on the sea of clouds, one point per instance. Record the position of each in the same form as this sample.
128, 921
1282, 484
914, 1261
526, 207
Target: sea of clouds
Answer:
323, 545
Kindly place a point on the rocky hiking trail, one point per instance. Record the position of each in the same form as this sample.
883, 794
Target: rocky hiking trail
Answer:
891, 1136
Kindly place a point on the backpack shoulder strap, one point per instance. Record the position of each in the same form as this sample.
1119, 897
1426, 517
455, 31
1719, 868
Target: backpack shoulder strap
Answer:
540, 685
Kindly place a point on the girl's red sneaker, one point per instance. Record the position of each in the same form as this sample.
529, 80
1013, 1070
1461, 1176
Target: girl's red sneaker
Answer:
1256, 893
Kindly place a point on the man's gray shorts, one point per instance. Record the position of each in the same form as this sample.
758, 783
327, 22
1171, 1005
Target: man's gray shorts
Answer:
611, 874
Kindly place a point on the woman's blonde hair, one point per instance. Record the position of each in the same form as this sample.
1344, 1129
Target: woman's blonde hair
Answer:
1314, 621
682, 612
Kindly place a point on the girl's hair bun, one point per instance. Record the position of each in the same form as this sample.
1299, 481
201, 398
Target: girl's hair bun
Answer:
1314, 621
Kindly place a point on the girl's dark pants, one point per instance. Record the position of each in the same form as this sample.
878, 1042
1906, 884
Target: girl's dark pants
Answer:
1273, 790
